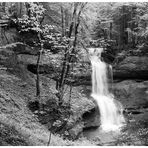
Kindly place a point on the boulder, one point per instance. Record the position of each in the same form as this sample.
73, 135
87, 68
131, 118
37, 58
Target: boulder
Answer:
92, 118
132, 67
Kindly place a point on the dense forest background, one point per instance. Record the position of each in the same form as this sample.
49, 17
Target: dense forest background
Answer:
119, 25
45, 72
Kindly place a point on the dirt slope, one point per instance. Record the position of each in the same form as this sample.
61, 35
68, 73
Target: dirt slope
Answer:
18, 125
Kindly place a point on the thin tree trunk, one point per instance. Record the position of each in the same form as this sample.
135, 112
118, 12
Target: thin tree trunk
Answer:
38, 78
38, 72
111, 26
49, 139
66, 18
62, 17
70, 93
62, 79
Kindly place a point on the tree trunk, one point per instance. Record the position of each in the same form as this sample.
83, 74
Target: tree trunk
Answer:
110, 32
62, 17
37, 76
70, 92
62, 79
49, 140
38, 72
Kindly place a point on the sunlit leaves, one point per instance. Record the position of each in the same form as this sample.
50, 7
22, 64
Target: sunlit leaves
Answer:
31, 21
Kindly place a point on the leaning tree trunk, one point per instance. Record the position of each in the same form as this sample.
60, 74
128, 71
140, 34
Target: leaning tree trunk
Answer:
38, 73
62, 79
62, 17
76, 26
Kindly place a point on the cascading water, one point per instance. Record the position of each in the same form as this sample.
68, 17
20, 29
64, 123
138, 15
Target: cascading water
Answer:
110, 109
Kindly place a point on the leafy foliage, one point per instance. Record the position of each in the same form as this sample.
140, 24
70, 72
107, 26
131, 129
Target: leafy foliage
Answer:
31, 21
120, 27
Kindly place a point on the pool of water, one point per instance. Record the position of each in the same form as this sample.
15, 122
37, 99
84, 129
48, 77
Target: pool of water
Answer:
134, 133
101, 137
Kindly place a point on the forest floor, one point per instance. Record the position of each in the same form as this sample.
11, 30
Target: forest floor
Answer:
18, 125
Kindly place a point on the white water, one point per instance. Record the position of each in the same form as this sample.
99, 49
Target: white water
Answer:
110, 109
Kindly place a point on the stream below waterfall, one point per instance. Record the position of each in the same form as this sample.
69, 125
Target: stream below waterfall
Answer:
134, 133
101, 137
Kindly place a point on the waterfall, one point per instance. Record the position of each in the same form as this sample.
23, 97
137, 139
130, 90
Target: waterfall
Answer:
110, 109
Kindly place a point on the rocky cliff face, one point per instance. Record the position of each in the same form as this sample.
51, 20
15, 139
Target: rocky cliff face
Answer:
131, 87
132, 67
